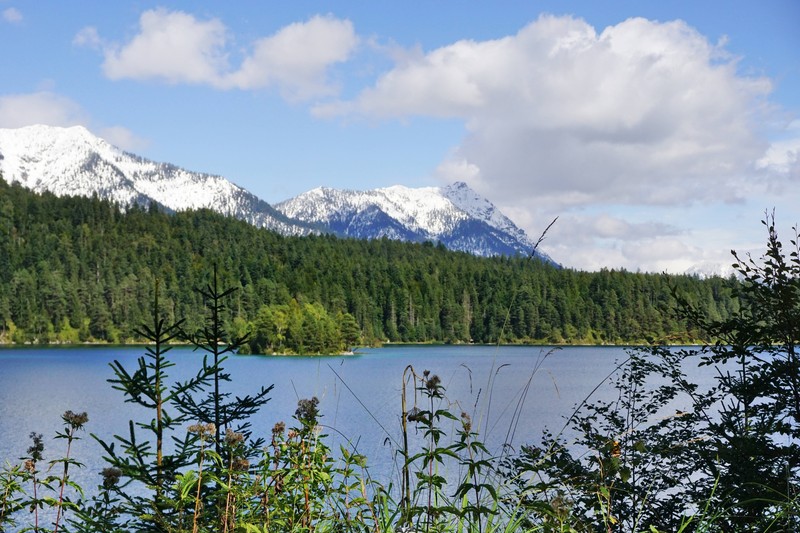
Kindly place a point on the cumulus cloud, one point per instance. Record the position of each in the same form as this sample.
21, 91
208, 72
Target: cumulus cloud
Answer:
177, 48
170, 46
296, 58
51, 109
12, 15
783, 157
642, 112
452, 170
124, 138
595, 240
673, 251
565, 119
44, 107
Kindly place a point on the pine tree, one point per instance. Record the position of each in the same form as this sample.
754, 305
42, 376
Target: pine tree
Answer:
217, 407
142, 460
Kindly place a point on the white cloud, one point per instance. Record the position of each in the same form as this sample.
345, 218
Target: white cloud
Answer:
170, 46
177, 48
12, 15
51, 109
124, 138
89, 37
590, 241
563, 119
643, 112
605, 226
783, 157
44, 107
663, 255
296, 58
646, 253
452, 170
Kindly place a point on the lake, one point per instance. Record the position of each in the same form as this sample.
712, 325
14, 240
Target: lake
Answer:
360, 395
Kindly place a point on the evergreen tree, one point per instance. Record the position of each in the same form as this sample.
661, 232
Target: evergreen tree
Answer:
84, 259
144, 461
217, 407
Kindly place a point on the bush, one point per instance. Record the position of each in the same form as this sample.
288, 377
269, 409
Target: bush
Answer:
732, 457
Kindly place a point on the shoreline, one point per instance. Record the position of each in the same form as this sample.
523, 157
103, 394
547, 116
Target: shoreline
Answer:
353, 352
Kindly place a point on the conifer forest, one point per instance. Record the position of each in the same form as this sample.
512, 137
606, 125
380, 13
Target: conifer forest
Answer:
76, 270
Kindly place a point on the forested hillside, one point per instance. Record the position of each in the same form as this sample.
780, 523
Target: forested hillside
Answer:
77, 270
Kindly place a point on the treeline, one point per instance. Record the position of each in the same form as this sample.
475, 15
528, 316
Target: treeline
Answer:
82, 270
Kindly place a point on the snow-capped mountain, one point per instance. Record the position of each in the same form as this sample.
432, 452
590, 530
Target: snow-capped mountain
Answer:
454, 215
73, 162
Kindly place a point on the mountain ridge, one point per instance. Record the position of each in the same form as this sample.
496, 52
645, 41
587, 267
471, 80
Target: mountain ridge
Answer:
73, 161
454, 215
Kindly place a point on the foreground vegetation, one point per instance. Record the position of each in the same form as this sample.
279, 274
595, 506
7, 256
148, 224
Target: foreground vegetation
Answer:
730, 462
78, 270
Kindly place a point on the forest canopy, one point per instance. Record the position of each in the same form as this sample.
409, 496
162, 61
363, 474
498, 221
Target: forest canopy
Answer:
83, 270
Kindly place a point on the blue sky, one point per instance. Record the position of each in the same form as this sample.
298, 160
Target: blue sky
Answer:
658, 132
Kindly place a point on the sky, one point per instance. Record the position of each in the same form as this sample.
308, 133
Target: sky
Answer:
659, 133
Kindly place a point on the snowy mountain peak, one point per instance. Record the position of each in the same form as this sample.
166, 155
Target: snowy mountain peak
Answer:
455, 215
477, 206
73, 162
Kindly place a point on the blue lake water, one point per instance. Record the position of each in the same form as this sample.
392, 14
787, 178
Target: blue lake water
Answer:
360, 395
